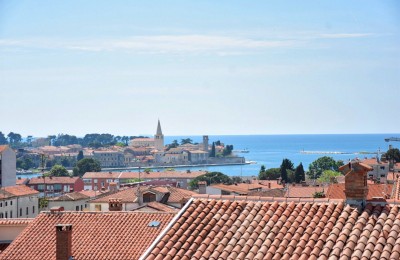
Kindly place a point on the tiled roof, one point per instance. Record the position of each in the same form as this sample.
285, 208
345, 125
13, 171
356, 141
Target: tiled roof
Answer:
161, 207
126, 196
239, 188
103, 235
268, 193
176, 195
373, 161
22, 181
17, 190
273, 184
144, 175
53, 180
92, 193
225, 229
302, 191
336, 191
15, 221
73, 196
3, 148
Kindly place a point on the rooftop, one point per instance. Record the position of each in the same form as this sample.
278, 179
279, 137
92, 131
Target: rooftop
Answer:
105, 235
243, 229
17, 190
144, 175
238, 188
53, 180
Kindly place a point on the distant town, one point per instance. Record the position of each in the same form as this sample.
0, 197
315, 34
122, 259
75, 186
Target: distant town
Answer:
118, 151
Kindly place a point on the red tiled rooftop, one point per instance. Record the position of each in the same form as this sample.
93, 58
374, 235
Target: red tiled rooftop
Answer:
245, 229
73, 196
238, 188
336, 191
53, 180
17, 190
144, 175
302, 191
161, 207
111, 235
15, 221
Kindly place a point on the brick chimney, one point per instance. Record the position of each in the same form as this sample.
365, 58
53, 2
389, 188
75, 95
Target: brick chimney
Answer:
356, 187
202, 187
64, 242
112, 187
115, 204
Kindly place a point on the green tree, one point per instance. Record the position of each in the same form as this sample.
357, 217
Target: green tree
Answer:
318, 194
299, 174
80, 156
393, 154
14, 139
3, 139
237, 179
86, 165
322, 164
270, 174
212, 152
174, 144
186, 141
329, 176
58, 171
227, 150
286, 165
211, 177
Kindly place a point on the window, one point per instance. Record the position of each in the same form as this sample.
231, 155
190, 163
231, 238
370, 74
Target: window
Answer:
382, 167
1, 204
1, 215
77, 208
27, 211
97, 207
41, 187
6, 215
11, 203
102, 184
20, 212
33, 209
10, 213
81, 208
6, 203
149, 197
95, 180
57, 187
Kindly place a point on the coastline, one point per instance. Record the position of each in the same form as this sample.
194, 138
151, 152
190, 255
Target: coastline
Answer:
174, 166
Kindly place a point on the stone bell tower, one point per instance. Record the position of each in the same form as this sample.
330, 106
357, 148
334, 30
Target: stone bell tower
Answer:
159, 139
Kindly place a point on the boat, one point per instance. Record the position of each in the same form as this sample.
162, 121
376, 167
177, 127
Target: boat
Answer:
241, 151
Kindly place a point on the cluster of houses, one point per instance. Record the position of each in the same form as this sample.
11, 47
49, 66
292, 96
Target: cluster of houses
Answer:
141, 152
153, 215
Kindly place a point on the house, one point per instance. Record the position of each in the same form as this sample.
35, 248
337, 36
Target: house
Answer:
133, 198
18, 201
98, 180
55, 186
142, 142
109, 158
87, 235
74, 201
379, 170
8, 166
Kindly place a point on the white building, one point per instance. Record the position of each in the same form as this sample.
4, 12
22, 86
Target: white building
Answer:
8, 166
18, 201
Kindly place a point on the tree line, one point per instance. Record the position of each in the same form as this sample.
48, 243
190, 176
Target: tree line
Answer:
323, 169
95, 140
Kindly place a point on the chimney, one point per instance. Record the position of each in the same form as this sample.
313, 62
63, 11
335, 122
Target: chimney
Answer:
64, 242
356, 187
115, 204
113, 186
56, 209
202, 187
269, 185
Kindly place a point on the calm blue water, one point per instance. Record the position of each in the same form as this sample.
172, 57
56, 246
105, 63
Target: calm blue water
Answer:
270, 150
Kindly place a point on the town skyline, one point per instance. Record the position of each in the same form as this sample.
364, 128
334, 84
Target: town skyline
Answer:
226, 68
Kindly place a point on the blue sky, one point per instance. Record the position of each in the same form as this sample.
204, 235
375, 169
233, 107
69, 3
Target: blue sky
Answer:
201, 67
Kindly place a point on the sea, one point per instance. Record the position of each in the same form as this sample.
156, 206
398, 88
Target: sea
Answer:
270, 150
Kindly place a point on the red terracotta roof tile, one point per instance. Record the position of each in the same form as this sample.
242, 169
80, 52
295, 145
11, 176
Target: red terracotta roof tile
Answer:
111, 235
248, 229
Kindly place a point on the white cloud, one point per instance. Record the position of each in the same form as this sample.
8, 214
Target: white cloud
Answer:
191, 43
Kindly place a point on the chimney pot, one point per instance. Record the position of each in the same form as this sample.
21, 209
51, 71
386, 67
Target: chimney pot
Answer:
63, 241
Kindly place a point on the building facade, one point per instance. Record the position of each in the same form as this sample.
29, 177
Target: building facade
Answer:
18, 201
8, 166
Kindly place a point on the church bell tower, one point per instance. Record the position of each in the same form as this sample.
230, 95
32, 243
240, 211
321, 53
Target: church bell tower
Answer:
159, 138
